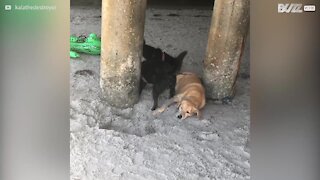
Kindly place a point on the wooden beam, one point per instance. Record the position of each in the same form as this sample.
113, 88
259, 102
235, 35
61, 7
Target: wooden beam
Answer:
121, 50
229, 26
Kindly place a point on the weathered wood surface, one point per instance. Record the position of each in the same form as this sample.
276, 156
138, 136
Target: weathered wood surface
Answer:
121, 51
229, 26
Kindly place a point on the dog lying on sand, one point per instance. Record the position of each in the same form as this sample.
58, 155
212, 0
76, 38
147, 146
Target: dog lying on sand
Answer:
159, 69
190, 96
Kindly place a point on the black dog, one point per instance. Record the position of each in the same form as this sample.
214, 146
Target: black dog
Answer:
159, 69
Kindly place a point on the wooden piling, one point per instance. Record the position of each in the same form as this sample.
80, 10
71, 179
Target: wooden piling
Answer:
229, 26
121, 50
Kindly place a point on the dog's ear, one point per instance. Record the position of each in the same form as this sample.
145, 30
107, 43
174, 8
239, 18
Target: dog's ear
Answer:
179, 60
181, 56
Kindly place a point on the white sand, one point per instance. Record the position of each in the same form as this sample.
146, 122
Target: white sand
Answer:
137, 145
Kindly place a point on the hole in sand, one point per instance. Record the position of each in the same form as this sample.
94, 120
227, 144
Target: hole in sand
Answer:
128, 127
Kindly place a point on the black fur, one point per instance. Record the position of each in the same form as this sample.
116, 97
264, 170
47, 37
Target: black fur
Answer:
159, 69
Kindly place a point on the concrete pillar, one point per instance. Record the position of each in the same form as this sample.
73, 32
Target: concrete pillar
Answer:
229, 26
121, 50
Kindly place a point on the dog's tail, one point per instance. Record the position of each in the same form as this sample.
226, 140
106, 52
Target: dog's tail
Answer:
179, 61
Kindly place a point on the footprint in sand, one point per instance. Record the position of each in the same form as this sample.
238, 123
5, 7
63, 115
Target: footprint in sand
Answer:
208, 136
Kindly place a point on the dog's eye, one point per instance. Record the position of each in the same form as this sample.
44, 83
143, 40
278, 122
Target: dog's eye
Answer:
188, 112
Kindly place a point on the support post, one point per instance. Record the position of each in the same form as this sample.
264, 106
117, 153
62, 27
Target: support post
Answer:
121, 50
229, 26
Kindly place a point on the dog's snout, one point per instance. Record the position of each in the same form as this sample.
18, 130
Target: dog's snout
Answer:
179, 116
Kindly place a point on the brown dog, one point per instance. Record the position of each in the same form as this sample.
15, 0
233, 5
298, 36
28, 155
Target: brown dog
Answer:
190, 96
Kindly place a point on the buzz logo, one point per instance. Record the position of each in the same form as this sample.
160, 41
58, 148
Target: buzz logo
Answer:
290, 8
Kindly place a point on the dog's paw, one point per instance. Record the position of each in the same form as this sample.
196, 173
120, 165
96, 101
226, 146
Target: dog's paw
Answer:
154, 107
161, 110
158, 111
155, 113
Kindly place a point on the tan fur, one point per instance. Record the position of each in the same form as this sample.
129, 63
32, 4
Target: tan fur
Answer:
190, 95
